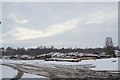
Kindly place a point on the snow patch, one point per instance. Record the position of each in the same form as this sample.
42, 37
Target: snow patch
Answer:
8, 72
26, 75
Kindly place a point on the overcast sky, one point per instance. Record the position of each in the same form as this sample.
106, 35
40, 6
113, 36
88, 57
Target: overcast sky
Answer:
67, 24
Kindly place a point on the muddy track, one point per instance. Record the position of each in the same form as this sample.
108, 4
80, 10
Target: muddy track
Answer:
42, 71
57, 71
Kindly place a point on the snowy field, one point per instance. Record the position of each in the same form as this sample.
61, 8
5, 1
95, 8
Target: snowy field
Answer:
8, 72
110, 64
106, 65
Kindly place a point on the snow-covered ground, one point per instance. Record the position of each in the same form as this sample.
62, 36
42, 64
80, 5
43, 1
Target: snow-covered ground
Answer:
26, 75
106, 64
8, 72
110, 64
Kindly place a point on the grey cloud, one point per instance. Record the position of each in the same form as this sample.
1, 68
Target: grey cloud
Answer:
40, 16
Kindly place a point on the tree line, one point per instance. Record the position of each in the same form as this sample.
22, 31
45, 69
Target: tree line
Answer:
44, 50
108, 49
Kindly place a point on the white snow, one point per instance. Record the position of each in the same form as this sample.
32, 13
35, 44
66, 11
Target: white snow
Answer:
8, 72
26, 75
109, 64
106, 65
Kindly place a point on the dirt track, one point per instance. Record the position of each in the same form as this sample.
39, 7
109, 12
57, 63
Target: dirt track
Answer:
59, 71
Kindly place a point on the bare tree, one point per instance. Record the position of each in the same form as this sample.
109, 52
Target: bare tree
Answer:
109, 42
109, 47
